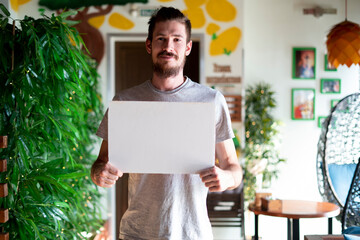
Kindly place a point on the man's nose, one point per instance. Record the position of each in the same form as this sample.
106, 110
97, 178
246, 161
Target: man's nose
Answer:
168, 44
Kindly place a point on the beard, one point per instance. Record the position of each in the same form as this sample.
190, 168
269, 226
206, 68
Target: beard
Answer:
163, 71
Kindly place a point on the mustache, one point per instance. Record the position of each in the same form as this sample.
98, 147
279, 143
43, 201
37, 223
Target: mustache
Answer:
166, 53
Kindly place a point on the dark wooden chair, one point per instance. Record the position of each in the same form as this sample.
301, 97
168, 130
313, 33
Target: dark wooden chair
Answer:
226, 209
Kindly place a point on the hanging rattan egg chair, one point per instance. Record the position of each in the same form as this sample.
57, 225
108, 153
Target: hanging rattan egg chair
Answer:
339, 150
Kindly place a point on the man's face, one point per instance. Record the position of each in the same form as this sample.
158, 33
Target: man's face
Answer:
168, 48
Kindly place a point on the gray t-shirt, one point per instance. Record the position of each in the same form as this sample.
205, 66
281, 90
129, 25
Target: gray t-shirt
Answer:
170, 206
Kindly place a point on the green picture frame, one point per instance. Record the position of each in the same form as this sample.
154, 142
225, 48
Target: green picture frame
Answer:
334, 102
343, 105
304, 63
330, 86
321, 120
328, 67
302, 103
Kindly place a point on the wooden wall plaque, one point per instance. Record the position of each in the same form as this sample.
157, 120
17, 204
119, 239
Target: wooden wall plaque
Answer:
3, 142
234, 105
3, 165
4, 236
4, 215
3, 190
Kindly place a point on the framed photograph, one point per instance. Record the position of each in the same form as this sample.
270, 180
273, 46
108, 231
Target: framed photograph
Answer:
334, 102
303, 103
328, 66
330, 85
304, 63
343, 105
321, 120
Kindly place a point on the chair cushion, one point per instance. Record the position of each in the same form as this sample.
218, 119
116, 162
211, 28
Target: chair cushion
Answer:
341, 177
351, 237
352, 230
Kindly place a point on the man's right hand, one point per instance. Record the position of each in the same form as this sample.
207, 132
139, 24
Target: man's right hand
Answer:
104, 174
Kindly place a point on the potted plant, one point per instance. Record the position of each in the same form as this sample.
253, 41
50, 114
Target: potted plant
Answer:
261, 139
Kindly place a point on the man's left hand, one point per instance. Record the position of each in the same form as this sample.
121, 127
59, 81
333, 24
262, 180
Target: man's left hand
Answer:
216, 179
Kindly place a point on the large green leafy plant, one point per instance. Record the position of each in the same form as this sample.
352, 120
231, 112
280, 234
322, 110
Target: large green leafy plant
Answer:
49, 109
262, 138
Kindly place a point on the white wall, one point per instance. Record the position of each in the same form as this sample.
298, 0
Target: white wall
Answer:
271, 30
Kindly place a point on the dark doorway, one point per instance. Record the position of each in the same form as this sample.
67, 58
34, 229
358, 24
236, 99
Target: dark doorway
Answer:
133, 64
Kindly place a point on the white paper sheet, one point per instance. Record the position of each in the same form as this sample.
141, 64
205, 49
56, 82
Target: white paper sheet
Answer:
161, 137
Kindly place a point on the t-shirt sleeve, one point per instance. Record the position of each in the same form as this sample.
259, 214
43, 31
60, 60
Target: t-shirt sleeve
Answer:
224, 129
103, 127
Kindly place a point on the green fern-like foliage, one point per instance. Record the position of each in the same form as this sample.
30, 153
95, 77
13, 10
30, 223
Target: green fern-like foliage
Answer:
49, 109
262, 136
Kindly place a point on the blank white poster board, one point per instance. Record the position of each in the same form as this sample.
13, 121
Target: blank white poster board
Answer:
161, 137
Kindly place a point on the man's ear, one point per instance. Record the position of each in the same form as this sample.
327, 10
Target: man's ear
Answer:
188, 48
148, 46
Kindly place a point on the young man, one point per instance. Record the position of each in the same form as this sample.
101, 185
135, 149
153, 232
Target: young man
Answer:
171, 206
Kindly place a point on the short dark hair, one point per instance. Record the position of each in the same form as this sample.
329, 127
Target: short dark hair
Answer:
168, 13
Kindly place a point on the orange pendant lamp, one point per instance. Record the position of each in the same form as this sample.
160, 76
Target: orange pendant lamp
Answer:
343, 43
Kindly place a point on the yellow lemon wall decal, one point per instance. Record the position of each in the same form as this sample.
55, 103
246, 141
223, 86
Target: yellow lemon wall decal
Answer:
96, 22
194, 3
21, 2
212, 28
117, 20
196, 16
221, 10
16, 3
226, 42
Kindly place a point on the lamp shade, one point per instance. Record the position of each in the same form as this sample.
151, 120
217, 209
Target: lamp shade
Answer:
343, 44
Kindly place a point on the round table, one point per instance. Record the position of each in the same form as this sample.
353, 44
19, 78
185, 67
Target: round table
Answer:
293, 210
